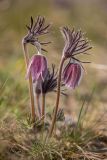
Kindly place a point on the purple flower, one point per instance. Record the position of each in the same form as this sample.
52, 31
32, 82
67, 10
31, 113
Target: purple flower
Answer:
72, 75
75, 44
37, 67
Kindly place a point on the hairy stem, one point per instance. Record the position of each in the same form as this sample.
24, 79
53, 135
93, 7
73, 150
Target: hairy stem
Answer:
26, 56
38, 105
58, 97
43, 105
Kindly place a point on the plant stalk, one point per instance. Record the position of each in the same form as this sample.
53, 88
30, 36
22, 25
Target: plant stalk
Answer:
58, 97
38, 105
43, 105
26, 57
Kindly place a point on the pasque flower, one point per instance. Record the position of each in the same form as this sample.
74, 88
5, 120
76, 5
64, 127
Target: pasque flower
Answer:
37, 63
75, 44
37, 66
72, 75
44, 85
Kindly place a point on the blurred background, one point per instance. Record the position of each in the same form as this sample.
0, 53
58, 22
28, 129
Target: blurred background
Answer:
89, 15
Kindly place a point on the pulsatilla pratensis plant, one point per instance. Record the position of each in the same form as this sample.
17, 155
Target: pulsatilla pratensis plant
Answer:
35, 30
43, 80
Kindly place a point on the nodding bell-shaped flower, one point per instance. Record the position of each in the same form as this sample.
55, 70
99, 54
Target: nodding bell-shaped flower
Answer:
37, 67
72, 75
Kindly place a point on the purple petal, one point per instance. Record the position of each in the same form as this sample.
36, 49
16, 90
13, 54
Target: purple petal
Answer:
37, 65
72, 75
